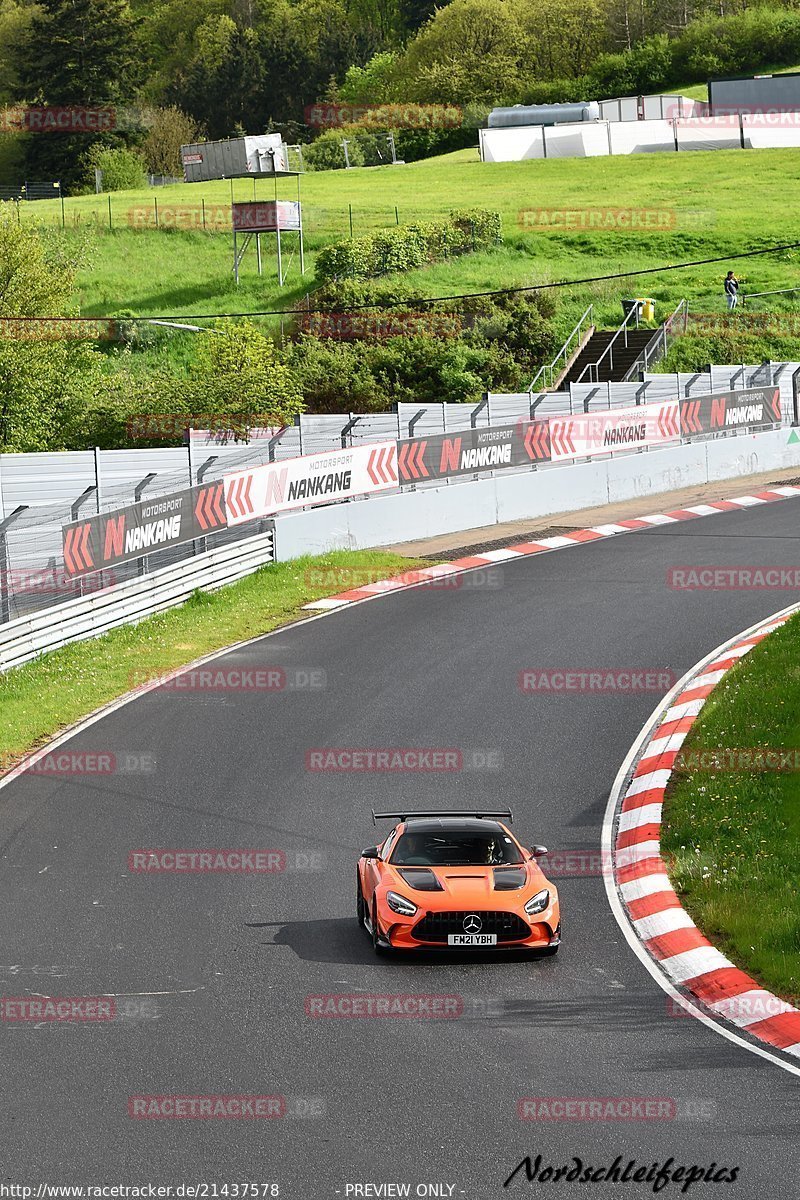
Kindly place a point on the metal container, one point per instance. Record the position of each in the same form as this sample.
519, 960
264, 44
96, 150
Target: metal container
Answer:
264, 154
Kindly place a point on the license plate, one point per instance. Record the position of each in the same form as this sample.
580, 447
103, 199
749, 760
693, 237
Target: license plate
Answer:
472, 939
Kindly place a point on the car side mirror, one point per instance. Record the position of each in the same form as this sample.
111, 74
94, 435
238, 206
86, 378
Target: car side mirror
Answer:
539, 851
370, 852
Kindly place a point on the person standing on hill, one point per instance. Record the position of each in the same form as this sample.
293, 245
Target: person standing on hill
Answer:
731, 290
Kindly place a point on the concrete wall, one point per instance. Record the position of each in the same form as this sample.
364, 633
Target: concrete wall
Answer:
524, 495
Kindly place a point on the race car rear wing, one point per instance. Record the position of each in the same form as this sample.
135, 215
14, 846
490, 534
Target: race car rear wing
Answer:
409, 814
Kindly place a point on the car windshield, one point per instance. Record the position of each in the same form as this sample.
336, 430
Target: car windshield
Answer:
456, 848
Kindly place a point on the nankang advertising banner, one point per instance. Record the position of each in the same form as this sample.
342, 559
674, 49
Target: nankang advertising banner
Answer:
126, 533
614, 429
752, 409
312, 479
488, 449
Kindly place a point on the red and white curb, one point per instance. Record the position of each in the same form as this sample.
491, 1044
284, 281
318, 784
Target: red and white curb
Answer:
638, 874
525, 549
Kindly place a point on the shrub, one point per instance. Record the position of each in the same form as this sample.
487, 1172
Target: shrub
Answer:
409, 246
327, 152
122, 169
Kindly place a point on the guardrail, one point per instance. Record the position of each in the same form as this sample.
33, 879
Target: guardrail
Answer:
689, 436
127, 603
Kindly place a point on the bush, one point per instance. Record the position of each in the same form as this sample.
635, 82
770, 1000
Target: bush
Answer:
455, 352
327, 152
409, 246
122, 169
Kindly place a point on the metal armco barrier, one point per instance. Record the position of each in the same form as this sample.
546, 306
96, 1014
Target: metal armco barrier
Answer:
132, 532
127, 603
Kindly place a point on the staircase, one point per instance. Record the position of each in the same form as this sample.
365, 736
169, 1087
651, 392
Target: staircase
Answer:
596, 363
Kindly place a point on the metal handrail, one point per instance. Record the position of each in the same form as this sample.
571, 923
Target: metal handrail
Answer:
658, 342
563, 353
777, 292
623, 329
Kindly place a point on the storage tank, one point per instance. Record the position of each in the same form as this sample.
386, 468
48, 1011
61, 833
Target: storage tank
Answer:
544, 114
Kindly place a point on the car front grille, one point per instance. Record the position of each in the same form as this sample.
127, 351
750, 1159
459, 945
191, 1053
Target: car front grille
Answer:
436, 926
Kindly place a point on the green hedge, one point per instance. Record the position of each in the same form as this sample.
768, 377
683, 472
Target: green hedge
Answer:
409, 246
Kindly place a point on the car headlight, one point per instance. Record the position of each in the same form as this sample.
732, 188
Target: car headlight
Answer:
400, 905
538, 903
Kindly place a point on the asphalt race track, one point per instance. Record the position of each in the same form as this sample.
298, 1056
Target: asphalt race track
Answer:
211, 971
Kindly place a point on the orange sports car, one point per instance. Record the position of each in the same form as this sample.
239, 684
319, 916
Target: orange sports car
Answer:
455, 880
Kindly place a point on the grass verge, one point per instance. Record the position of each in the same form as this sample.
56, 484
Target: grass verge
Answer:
735, 835
44, 696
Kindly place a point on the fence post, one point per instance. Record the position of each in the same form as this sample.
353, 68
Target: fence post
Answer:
97, 475
5, 593
110, 226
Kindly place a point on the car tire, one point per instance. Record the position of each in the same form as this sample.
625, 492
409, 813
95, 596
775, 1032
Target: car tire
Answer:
361, 908
380, 950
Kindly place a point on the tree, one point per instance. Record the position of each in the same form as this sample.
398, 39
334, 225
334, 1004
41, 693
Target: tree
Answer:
562, 37
82, 53
15, 20
469, 52
167, 130
43, 382
238, 373
374, 83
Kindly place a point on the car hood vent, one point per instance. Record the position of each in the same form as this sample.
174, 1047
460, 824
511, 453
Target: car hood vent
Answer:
509, 879
421, 879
